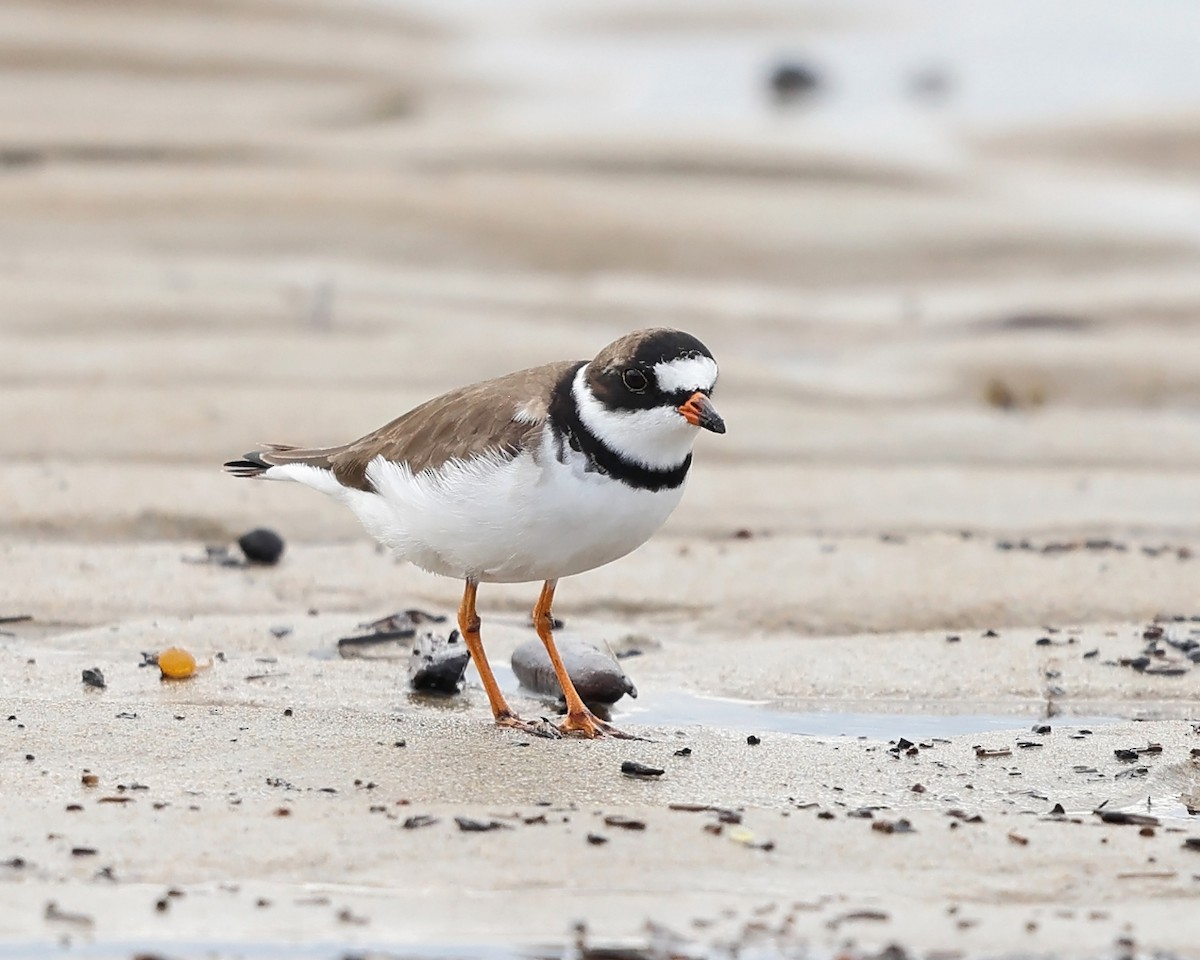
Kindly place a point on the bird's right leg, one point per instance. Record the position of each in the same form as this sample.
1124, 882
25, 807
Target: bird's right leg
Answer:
468, 625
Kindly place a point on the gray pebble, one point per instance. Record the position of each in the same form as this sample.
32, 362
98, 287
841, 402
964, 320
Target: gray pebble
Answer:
596, 673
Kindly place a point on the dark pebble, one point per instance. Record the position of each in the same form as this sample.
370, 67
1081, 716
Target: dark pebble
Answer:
791, 80
420, 820
261, 546
438, 663
893, 826
1171, 671
683, 752
624, 823
596, 840
753, 740
1127, 819
631, 768
92, 677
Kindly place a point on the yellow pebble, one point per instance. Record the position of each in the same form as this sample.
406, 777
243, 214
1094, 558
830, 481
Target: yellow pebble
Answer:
176, 663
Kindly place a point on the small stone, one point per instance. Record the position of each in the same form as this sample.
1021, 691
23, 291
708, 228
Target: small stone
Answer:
467, 825
624, 823
262, 546
93, 677
893, 826
793, 80
631, 768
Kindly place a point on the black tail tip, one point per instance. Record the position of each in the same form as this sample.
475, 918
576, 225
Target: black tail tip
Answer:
251, 466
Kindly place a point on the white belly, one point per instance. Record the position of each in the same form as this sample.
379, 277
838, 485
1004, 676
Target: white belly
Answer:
508, 521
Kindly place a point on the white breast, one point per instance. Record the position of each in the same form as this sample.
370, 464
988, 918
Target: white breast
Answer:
508, 520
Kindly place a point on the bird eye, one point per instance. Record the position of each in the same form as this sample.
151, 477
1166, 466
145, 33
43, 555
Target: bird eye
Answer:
634, 379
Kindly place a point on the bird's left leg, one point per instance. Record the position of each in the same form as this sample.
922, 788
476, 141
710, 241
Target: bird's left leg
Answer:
580, 721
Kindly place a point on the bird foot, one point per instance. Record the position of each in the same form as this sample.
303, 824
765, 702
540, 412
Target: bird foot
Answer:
587, 724
539, 728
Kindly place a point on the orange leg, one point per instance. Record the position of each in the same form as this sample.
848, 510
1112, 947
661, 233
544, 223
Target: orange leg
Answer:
580, 722
468, 625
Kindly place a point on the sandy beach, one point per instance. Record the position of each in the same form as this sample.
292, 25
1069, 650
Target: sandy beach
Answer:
915, 654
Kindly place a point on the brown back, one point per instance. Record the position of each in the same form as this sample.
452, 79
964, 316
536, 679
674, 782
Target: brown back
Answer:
464, 424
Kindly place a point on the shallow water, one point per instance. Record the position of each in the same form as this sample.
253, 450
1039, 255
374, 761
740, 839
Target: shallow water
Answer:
682, 709
678, 708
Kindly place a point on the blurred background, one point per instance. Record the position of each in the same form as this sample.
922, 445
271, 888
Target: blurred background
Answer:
948, 254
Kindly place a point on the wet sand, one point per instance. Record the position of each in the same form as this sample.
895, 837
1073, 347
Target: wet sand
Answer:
962, 401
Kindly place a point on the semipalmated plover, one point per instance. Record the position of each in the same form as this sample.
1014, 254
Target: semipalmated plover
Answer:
538, 475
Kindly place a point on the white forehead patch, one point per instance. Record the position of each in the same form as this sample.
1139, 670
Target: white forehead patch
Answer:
686, 373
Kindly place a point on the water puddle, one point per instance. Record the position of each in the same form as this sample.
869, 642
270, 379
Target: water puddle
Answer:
678, 708
682, 709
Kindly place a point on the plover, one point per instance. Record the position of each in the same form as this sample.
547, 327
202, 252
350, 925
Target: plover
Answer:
538, 475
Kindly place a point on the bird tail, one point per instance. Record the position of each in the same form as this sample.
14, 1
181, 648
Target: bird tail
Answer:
258, 462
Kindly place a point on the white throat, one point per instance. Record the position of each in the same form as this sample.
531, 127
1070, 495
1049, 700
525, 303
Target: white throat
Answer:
659, 438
